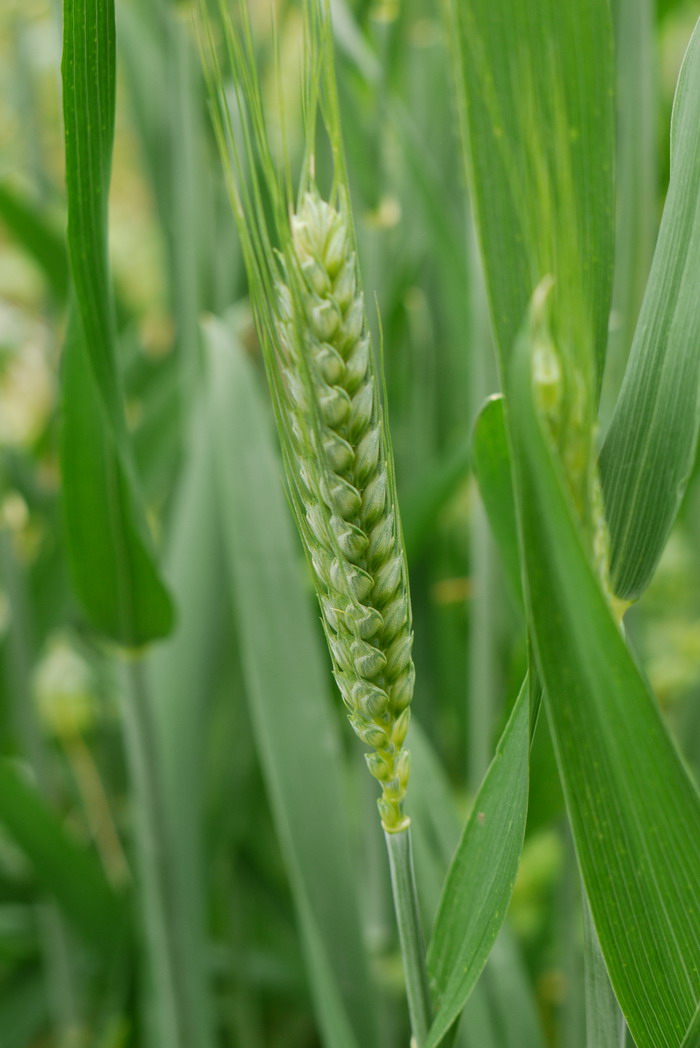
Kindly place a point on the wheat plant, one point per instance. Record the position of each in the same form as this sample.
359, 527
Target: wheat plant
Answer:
208, 524
311, 317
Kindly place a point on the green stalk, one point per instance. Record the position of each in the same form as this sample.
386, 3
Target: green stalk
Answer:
403, 885
169, 993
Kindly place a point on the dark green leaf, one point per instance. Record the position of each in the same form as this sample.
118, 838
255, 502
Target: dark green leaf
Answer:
111, 563
692, 1038
633, 808
66, 869
108, 539
88, 71
40, 239
24, 1010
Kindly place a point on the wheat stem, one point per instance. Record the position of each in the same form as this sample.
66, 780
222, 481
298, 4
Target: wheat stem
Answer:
403, 885
173, 1027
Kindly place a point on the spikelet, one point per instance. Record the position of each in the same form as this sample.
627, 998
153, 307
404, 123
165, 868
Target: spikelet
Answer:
338, 452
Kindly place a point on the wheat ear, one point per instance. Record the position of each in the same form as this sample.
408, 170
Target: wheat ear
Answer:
345, 499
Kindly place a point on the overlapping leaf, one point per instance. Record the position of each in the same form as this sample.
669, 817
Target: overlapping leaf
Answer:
634, 811
604, 1023
535, 91
480, 881
287, 689
107, 536
650, 447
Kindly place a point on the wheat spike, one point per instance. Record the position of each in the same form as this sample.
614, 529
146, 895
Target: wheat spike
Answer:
345, 499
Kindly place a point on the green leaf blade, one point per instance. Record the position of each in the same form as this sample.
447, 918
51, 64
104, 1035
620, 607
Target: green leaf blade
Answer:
287, 685
650, 446
89, 94
111, 563
634, 810
522, 68
109, 544
481, 877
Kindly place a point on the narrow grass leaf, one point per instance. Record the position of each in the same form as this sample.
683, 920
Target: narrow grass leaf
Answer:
89, 94
492, 466
111, 564
67, 870
649, 449
535, 92
35, 232
287, 686
634, 811
181, 675
108, 540
480, 880
503, 988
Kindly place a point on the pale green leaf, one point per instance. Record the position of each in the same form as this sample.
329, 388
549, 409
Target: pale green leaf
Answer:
636, 176
287, 683
181, 674
650, 447
604, 1023
535, 92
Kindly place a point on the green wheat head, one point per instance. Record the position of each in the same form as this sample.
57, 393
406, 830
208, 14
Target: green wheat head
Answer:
310, 313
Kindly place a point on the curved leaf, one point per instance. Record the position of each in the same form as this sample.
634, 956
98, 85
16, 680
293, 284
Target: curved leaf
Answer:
480, 880
634, 810
650, 447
